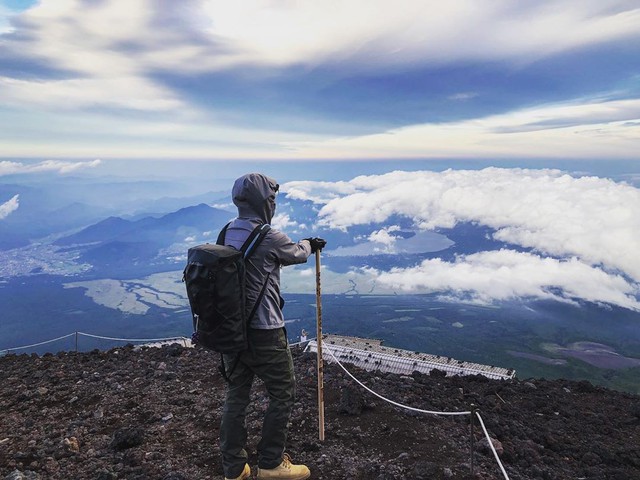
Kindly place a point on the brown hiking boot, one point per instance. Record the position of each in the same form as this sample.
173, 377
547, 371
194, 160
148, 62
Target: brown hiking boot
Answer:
285, 471
246, 473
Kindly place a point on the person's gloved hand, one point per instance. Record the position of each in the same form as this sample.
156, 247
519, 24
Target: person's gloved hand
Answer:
316, 243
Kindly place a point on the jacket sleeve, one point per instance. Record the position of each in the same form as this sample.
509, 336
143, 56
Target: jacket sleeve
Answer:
288, 252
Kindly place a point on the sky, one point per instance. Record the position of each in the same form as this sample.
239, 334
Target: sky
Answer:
537, 81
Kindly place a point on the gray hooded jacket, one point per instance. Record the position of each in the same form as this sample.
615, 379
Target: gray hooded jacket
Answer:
255, 196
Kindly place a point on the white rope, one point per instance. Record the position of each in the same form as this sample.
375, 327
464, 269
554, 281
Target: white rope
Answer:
495, 454
38, 344
302, 343
131, 339
391, 401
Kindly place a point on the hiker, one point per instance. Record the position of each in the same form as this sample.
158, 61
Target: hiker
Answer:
268, 355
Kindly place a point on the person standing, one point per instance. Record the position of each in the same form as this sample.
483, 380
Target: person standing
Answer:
268, 356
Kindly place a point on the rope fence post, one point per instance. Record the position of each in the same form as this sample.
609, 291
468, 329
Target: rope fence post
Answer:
76, 341
472, 445
319, 351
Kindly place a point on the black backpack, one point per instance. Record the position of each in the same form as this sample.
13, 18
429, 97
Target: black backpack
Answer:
215, 281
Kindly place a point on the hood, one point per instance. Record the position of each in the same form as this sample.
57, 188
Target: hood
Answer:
255, 196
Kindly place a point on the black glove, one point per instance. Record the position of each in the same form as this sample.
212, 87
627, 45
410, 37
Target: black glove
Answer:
316, 243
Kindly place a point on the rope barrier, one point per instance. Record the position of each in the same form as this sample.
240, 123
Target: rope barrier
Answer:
130, 339
38, 344
5, 350
495, 454
114, 339
406, 407
391, 401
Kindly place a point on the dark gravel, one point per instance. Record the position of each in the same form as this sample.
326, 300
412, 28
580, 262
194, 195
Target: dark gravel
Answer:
153, 413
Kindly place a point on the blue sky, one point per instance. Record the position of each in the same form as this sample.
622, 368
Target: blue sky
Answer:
352, 79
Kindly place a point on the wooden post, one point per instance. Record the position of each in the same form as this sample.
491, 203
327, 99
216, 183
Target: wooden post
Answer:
76, 342
319, 350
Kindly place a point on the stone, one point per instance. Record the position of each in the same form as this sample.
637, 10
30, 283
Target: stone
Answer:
71, 444
351, 402
483, 446
126, 438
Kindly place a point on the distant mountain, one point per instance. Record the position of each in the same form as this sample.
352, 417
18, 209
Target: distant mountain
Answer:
161, 231
123, 248
41, 213
107, 229
171, 204
75, 214
201, 216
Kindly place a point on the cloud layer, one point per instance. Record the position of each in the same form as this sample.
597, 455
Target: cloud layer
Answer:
380, 33
594, 128
583, 230
337, 79
11, 168
507, 275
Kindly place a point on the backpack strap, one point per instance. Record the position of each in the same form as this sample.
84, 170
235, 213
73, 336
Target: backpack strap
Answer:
222, 234
255, 238
252, 242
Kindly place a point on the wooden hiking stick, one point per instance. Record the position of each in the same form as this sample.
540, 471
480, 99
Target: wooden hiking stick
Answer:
319, 350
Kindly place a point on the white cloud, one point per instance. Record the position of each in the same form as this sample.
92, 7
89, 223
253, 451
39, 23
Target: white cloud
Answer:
215, 35
89, 43
382, 33
283, 221
318, 192
307, 272
10, 168
585, 129
125, 92
383, 236
385, 239
593, 219
506, 274
9, 207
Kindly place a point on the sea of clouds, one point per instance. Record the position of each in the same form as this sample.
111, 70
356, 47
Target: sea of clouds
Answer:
581, 231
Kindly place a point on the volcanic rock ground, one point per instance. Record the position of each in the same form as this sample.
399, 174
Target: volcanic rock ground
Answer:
153, 413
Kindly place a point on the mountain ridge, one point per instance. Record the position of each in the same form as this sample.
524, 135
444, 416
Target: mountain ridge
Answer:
117, 228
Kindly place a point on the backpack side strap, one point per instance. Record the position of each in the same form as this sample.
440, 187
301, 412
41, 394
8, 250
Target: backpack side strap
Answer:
255, 238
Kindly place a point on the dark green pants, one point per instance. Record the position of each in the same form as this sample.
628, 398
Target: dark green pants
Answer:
269, 358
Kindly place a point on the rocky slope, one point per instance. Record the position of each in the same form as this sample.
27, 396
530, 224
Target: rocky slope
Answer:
153, 413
